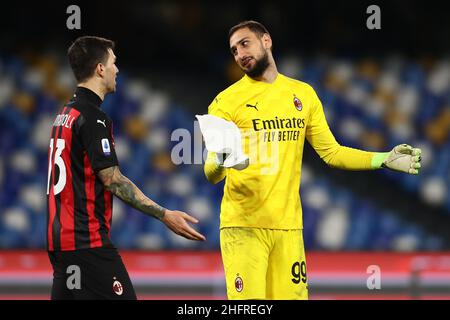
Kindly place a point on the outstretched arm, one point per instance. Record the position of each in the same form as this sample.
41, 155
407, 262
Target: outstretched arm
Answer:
122, 187
337, 156
402, 158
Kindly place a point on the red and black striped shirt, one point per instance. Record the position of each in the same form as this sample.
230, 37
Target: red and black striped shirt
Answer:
79, 207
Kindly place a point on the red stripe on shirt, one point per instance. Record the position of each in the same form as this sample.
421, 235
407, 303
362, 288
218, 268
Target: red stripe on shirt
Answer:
108, 210
94, 224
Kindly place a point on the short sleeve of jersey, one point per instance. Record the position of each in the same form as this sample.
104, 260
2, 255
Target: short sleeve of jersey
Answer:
97, 138
218, 108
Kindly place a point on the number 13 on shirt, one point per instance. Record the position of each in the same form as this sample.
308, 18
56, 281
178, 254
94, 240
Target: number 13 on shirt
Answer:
57, 161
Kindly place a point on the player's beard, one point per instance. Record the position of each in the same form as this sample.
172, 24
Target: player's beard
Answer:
260, 66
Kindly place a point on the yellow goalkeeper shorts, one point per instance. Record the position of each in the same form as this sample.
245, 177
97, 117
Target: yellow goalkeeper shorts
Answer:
264, 263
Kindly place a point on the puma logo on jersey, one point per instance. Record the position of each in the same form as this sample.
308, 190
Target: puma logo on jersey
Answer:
102, 122
248, 105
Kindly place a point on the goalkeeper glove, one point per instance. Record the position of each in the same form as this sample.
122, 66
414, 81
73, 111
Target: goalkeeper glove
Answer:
403, 158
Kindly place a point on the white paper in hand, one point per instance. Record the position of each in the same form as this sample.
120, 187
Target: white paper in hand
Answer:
222, 136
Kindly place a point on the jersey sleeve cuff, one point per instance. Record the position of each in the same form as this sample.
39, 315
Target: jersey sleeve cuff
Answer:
378, 159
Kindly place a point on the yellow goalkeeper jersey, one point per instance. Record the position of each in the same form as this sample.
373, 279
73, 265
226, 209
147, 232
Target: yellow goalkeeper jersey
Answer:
274, 120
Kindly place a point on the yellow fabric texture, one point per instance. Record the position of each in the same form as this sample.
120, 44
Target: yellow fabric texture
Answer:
264, 264
274, 119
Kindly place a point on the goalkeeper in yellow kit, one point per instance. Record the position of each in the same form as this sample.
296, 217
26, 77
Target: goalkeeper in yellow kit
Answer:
261, 215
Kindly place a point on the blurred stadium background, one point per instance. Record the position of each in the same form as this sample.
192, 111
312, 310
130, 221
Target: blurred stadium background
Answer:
379, 88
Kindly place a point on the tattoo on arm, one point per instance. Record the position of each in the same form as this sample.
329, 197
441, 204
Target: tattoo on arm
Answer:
126, 190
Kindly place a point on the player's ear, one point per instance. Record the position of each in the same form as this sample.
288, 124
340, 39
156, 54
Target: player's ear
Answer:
100, 69
267, 41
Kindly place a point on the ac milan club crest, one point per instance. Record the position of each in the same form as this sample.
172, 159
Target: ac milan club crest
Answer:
297, 103
238, 283
117, 288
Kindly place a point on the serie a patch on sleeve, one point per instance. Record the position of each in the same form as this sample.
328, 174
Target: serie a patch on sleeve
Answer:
106, 147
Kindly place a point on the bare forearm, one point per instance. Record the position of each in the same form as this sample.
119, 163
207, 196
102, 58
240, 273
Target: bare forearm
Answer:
128, 192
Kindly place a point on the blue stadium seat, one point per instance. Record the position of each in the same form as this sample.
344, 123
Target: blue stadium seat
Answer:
370, 227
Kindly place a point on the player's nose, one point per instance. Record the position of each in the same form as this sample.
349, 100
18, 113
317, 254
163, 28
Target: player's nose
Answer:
241, 55
244, 58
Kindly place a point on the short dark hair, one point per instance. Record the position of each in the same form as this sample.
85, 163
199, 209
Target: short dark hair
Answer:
85, 53
254, 26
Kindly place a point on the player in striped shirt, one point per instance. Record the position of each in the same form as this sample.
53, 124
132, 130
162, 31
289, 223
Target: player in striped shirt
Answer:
83, 175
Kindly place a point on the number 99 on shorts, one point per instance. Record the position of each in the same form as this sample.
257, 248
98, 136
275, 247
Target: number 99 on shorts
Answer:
298, 272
